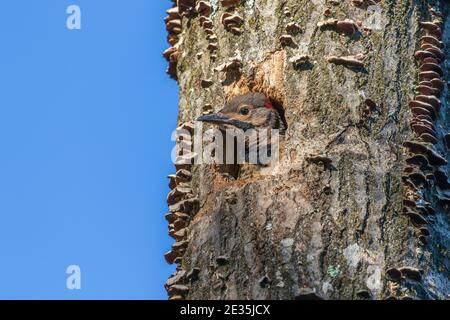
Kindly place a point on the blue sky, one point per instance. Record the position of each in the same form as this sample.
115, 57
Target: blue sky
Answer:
85, 123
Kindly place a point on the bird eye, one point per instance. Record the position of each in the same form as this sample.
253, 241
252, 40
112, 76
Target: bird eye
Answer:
244, 111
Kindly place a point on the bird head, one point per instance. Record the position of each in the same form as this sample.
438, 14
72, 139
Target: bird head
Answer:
248, 111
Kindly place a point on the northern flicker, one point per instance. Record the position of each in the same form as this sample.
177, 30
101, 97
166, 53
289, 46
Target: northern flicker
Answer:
248, 111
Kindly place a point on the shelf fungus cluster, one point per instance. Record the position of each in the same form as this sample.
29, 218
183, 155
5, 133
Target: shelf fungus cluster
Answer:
204, 10
185, 6
426, 183
182, 205
346, 26
232, 22
397, 276
174, 28
292, 29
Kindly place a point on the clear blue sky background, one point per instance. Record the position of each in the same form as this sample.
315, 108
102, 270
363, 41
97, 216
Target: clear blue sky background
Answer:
85, 123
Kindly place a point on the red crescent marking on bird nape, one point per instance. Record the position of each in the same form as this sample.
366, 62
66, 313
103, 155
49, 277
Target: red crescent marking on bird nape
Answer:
268, 104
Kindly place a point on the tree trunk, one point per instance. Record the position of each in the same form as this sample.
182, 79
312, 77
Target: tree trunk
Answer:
357, 207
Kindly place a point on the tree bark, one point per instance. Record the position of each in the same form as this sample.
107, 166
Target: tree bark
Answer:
341, 215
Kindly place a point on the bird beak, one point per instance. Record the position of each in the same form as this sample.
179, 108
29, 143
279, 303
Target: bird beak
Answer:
223, 119
214, 118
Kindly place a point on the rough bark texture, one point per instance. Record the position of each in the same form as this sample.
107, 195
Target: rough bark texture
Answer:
313, 228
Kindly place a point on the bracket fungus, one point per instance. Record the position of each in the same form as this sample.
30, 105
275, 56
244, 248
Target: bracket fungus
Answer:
173, 13
424, 88
346, 26
411, 273
232, 22
429, 138
423, 111
299, 60
185, 206
438, 85
416, 218
179, 290
227, 3
393, 274
430, 60
428, 75
431, 100
364, 3
422, 54
432, 40
287, 40
231, 19
319, 159
420, 128
432, 28
177, 194
176, 278
327, 12
206, 24
437, 52
307, 294
203, 8
418, 179
233, 64
293, 28
329, 23
180, 224
433, 157
183, 176
212, 46
429, 66
209, 31
171, 217
350, 61
180, 234
172, 181
170, 256
370, 104
206, 83
173, 26
186, 6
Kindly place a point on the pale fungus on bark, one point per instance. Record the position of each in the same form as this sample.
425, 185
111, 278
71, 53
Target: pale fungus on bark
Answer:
351, 61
